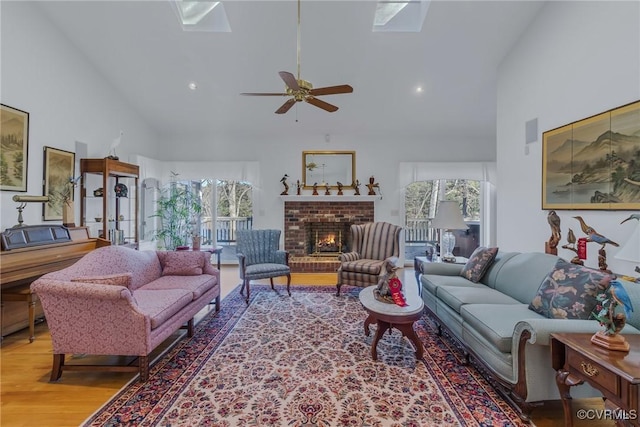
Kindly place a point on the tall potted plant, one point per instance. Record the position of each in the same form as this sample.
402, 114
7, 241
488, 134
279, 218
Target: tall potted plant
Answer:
177, 208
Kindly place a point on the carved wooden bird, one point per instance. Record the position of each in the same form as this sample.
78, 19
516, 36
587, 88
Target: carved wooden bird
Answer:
554, 222
583, 225
632, 216
621, 296
571, 237
593, 235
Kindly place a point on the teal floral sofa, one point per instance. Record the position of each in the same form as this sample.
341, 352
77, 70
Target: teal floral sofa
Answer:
502, 319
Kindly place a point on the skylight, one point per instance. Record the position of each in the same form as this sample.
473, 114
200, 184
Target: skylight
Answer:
400, 16
201, 15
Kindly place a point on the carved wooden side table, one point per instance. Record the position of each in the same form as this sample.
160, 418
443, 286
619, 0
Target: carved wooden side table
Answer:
615, 374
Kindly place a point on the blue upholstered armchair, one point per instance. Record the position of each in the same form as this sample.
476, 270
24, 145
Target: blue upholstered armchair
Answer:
371, 245
259, 257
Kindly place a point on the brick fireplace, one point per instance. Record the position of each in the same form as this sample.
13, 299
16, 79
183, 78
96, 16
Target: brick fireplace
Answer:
316, 229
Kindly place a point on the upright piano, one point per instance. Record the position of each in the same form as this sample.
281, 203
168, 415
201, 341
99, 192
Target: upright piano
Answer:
27, 253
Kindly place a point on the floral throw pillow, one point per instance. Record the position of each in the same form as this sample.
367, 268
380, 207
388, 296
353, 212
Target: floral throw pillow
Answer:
121, 279
478, 264
568, 292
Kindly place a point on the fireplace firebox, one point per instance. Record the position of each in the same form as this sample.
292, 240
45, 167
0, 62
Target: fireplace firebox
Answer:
326, 216
327, 239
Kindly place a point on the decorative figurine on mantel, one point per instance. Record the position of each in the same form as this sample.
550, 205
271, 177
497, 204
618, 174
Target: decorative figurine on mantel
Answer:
372, 185
551, 247
326, 190
315, 189
298, 187
594, 236
571, 245
356, 186
286, 186
339, 188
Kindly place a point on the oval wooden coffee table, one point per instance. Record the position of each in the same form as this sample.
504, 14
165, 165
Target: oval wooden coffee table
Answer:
388, 316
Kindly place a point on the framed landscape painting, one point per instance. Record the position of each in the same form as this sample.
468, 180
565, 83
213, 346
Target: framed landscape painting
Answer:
14, 139
59, 167
593, 163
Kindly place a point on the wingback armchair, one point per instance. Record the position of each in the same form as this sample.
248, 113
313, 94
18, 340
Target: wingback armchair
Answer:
259, 257
371, 245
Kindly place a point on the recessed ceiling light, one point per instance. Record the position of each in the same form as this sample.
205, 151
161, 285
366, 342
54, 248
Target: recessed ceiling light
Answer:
192, 86
419, 89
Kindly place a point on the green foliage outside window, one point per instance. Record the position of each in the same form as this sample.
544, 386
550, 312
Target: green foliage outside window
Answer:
421, 198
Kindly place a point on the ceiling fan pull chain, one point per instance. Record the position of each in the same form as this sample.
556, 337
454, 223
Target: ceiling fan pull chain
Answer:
298, 57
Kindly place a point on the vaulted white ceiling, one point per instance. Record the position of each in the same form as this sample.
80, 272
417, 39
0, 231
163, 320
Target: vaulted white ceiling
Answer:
142, 50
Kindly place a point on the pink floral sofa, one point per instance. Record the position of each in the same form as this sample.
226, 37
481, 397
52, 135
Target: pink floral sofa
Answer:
120, 301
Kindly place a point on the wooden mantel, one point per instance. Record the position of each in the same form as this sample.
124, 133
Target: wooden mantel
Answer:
331, 198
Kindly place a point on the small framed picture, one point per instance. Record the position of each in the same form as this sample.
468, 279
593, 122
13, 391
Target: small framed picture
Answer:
59, 168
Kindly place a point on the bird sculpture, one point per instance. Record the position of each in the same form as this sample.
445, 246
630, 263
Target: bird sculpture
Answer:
611, 294
112, 148
571, 245
593, 235
632, 216
286, 186
621, 297
556, 234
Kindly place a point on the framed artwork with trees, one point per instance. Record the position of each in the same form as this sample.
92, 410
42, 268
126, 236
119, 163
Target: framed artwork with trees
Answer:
14, 139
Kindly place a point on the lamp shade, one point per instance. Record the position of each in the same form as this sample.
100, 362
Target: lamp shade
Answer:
631, 250
448, 216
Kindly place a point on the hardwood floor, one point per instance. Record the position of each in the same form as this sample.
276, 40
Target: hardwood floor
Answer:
29, 399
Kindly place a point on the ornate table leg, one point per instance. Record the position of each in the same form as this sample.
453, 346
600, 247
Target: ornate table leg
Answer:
368, 321
564, 382
417, 267
408, 331
382, 328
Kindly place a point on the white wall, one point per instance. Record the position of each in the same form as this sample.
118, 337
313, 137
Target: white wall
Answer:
67, 99
577, 59
375, 156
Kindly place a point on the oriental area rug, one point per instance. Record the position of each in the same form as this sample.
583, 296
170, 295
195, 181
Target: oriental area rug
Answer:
305, 361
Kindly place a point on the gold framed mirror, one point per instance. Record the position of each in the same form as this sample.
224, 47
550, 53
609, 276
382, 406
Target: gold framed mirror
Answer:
328, 167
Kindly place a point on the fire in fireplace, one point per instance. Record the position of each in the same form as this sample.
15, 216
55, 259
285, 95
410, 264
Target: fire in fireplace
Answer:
327, 244
326, 239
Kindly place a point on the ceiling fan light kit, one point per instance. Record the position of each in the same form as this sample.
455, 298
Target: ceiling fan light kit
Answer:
301, 90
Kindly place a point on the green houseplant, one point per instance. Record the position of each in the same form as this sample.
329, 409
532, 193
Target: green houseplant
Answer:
177, 208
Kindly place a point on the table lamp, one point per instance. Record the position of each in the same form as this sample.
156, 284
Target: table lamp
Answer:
448, 217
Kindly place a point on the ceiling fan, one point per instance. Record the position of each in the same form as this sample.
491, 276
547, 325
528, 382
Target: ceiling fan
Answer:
301, 90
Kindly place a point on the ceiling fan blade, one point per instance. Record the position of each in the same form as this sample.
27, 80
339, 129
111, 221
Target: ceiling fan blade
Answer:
286, 106
263, 94
331, 90
321, 104
289, 80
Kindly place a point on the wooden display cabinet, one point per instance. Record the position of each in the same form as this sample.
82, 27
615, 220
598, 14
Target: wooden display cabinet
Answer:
110, 215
